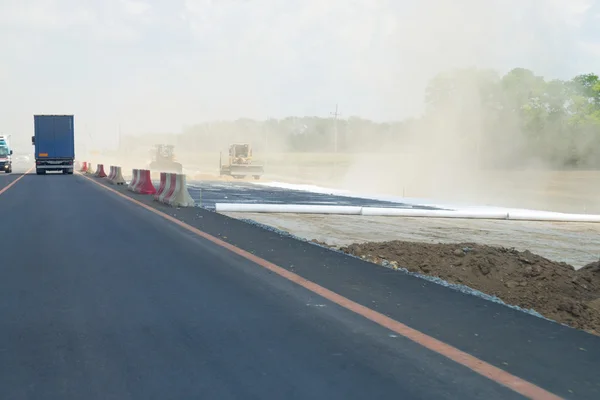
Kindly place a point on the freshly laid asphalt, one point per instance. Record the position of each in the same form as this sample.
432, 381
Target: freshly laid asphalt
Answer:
207, 194
102, 299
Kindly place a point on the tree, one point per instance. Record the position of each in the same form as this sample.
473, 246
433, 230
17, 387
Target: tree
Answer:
521, 115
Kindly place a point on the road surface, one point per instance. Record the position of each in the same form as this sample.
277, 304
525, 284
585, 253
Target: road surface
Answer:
101, 298
209, 193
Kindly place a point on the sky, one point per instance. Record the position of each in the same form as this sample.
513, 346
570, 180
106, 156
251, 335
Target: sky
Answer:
157, 66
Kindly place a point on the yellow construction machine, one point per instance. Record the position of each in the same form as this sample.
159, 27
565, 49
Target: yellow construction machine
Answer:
163, 160
240, 163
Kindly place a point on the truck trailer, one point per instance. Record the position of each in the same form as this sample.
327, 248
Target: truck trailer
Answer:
54, 141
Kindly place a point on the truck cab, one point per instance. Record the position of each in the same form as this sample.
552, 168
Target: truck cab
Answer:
54, 141
5, 159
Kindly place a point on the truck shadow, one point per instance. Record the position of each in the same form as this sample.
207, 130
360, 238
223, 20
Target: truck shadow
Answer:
53, 173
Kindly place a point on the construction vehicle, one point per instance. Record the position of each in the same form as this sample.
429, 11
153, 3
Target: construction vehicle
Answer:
163, 160
240, 162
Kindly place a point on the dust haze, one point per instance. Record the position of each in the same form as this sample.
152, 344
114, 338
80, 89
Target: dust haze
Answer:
203, 74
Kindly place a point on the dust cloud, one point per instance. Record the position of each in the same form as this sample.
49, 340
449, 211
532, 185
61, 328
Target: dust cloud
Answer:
186, 73
457, 155
458, 151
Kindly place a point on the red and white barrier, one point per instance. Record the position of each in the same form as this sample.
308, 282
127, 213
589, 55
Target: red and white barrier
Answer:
111, 173
169, 188
172, 189
84, 167
175, 192
117, 176
100, 171
139, 182
135, 178
161, 186
182, 197
145, 185
89, 171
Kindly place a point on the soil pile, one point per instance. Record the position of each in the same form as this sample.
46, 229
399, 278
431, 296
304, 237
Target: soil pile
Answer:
555, 290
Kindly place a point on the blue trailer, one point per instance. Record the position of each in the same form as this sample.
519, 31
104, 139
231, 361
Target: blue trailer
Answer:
54, 141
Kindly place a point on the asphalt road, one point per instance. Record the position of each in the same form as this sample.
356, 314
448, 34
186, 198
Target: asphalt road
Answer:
102, 299
207, 194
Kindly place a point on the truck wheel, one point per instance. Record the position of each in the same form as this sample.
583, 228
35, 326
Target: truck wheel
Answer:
40, 171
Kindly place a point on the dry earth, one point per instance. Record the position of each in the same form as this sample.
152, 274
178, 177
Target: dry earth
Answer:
499, 258
555, 290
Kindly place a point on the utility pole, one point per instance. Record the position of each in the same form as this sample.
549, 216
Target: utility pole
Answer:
335, 139
120, 145
267, 127
335, 129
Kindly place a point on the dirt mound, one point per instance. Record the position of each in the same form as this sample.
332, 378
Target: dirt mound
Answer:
555, 290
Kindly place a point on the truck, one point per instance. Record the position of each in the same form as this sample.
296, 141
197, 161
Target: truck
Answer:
163, 160
240, 163
5, 155
54, 141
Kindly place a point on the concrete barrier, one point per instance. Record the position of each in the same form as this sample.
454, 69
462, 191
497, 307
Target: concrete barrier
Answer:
111, 173
135, 178
181, 196
100, 171
138, 183
117, 176
145, 185
161, 186
169, 189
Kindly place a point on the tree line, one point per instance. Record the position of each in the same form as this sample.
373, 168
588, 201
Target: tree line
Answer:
505, 120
